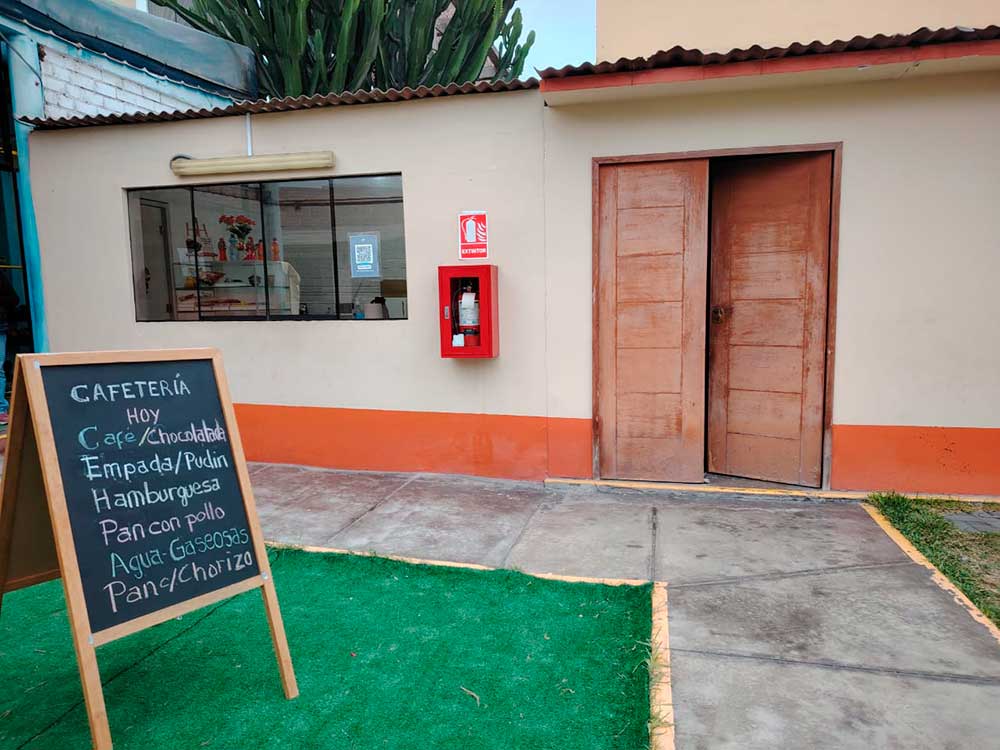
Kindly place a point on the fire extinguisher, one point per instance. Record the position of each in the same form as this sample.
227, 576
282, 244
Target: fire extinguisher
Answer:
466, 301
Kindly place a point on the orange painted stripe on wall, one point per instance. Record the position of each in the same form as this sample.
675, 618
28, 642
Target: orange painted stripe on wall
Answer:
489, 445
958, 460
570, 448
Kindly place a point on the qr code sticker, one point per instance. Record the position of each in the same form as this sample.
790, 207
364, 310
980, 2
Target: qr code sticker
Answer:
364, 254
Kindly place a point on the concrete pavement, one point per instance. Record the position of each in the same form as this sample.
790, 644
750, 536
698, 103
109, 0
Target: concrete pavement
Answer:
792, 624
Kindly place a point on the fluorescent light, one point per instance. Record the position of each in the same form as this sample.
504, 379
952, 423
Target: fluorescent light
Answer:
183, 166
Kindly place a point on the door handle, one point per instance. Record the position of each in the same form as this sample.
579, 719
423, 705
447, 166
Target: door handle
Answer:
718, 314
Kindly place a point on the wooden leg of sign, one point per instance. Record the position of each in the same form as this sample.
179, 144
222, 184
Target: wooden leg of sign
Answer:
76, 605
6, 538
260, 551
11, 472
83, 643
4, 546
93, 693
288, 681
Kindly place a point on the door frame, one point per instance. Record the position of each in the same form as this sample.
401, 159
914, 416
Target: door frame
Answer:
164, 207
836, 149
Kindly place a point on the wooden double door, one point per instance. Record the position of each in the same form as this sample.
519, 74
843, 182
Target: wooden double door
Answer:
712, 285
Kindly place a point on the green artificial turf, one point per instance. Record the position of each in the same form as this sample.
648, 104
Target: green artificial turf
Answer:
971, 560
382, 652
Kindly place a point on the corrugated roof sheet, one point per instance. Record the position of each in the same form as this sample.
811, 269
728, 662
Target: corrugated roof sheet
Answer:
140, 40
286, 104
676, 57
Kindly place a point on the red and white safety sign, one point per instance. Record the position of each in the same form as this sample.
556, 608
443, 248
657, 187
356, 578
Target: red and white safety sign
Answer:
473, 235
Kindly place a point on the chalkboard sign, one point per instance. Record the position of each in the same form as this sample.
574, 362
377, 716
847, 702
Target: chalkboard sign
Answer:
125, 477
154, 502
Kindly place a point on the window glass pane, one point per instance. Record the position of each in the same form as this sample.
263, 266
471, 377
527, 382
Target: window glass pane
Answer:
229, 271
296, 248
370, 250
158, 220
300, 262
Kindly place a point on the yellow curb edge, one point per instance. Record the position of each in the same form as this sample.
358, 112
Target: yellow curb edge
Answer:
711, 488
467, 566
661, 701
939, 578
761, 491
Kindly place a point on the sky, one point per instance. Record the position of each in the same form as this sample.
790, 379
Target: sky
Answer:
565, 32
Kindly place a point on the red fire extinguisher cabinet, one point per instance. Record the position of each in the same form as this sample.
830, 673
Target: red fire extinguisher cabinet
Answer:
468, 332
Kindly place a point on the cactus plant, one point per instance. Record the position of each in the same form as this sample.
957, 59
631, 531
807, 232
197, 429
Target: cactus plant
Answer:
321, 46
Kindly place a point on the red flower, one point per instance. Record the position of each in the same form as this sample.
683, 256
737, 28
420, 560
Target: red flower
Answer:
239, 226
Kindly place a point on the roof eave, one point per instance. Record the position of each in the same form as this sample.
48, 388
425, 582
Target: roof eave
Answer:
804, 70
287, 104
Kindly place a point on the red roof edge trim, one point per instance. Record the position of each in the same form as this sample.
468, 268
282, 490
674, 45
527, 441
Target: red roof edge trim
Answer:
677, 57
773, 67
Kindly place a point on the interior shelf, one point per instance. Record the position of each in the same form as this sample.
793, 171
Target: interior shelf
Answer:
282, 294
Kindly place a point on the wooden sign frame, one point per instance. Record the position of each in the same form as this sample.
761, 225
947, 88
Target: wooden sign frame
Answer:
28, 395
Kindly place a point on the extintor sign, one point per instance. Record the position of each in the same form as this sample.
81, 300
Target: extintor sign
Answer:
473, 235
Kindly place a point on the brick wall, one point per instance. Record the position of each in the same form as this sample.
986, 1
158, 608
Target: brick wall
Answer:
89, 85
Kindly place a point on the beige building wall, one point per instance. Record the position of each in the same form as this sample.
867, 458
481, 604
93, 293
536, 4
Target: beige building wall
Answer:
461, 153
638, 28
917, 341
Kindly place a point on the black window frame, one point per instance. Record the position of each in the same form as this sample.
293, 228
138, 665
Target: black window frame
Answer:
268, 316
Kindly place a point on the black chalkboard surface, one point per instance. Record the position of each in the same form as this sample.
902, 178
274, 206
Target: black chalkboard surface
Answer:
125, 476
154, 500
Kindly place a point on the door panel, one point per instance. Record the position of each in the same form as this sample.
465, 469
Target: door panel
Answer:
650, 415
649, 324
767, 275
765, 413
651, 277
656, 185
651, 230
767, 336
764, 322
651, 287
762, 457
638, 367
757, 368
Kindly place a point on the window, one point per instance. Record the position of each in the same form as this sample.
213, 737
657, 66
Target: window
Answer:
282, 250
